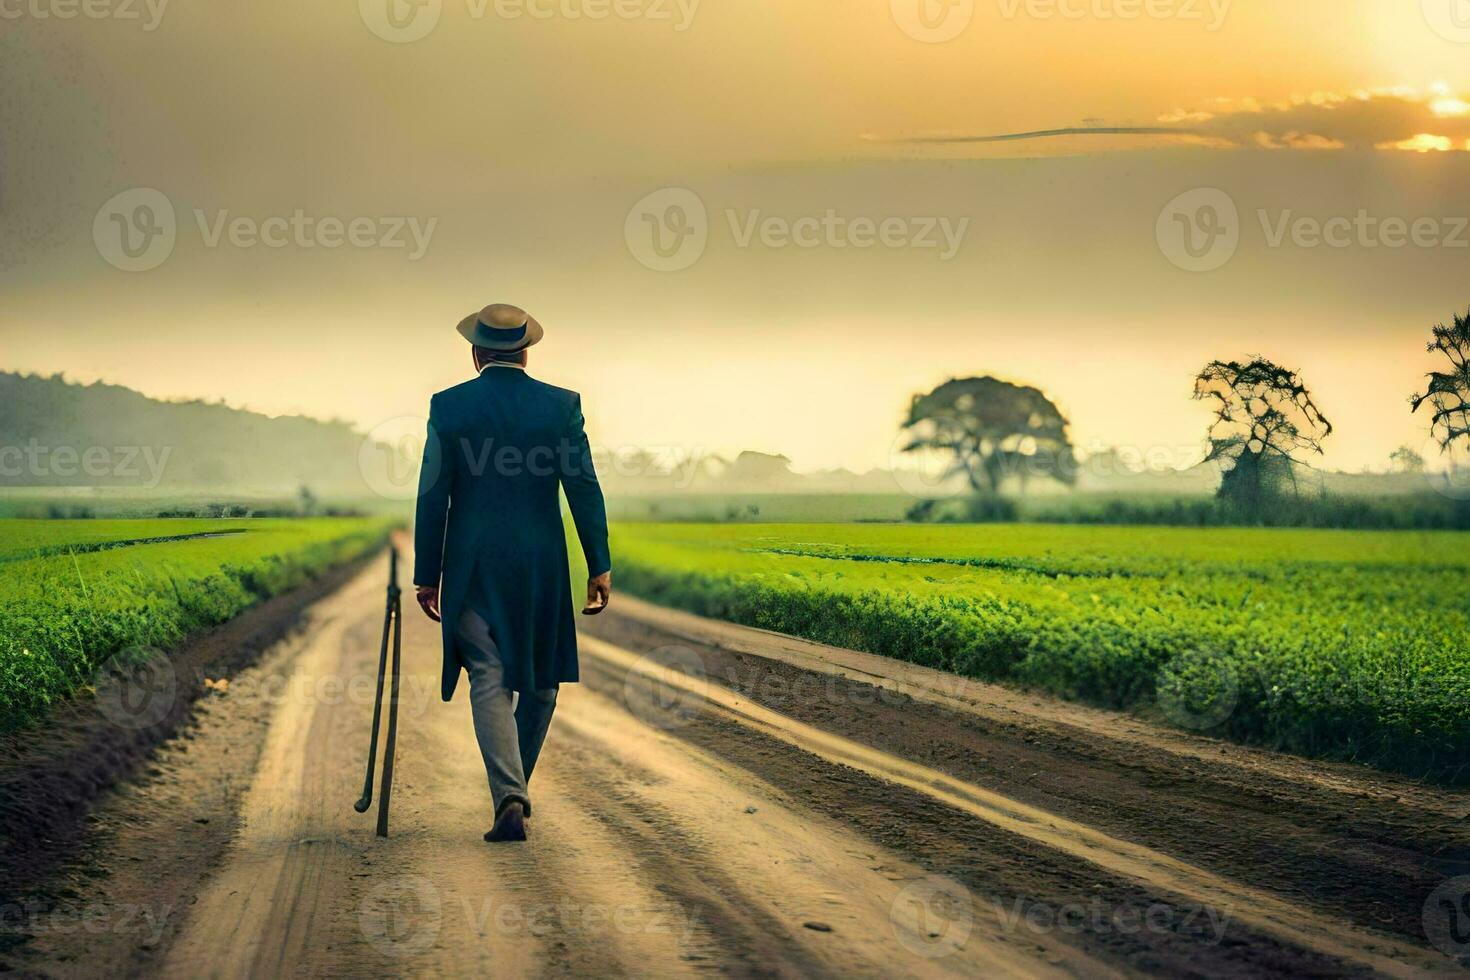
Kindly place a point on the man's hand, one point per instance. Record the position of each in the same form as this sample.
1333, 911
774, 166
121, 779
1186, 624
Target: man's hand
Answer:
428, 596
599, 591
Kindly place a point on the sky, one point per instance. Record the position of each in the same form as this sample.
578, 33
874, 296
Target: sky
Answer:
744, 224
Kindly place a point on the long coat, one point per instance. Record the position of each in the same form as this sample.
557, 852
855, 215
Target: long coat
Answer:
489, 526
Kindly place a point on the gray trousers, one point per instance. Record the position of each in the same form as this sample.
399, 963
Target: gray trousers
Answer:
510, 727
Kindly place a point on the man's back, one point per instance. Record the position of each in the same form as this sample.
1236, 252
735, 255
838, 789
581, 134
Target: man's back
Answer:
489, 518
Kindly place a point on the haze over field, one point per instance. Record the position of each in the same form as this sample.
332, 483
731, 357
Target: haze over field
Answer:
504, 156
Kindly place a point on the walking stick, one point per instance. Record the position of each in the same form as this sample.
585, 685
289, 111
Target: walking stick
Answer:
392, 622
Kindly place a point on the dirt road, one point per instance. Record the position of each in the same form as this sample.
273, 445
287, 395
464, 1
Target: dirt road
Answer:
717, 799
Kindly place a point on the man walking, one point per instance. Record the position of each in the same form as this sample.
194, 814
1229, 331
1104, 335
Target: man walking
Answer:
490, 552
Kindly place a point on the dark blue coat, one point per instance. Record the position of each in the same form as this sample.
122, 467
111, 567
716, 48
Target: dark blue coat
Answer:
489, 526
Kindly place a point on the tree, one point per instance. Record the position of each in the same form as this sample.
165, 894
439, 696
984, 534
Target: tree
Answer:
993, 429
1264, 417
1449, 391
1406, 459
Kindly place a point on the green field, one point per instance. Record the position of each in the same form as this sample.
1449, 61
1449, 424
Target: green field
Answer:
1422, 510
75, 593
1348, 644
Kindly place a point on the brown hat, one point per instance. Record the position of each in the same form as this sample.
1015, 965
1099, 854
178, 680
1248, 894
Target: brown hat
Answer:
501, 327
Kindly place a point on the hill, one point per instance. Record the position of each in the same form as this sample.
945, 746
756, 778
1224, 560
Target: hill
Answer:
56, 433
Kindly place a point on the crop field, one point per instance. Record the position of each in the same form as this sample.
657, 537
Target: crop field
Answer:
1346, 644
75, 593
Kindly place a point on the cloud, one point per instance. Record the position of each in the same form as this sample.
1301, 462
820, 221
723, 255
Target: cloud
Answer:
1393, 119
1386, 119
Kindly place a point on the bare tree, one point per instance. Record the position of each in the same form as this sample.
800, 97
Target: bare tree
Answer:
1264, 417
1449, 391
994, 429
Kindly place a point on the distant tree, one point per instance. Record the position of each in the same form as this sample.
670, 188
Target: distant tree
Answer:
1449, 391
993, 429
307, 502
1264, 417
1406, 460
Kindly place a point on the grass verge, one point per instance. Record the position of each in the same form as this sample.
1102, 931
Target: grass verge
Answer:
74, 595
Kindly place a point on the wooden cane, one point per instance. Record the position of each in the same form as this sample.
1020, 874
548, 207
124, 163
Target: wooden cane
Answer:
366, 800
396, 616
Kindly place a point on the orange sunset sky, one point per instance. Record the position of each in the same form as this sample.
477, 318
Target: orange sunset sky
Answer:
521, 138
